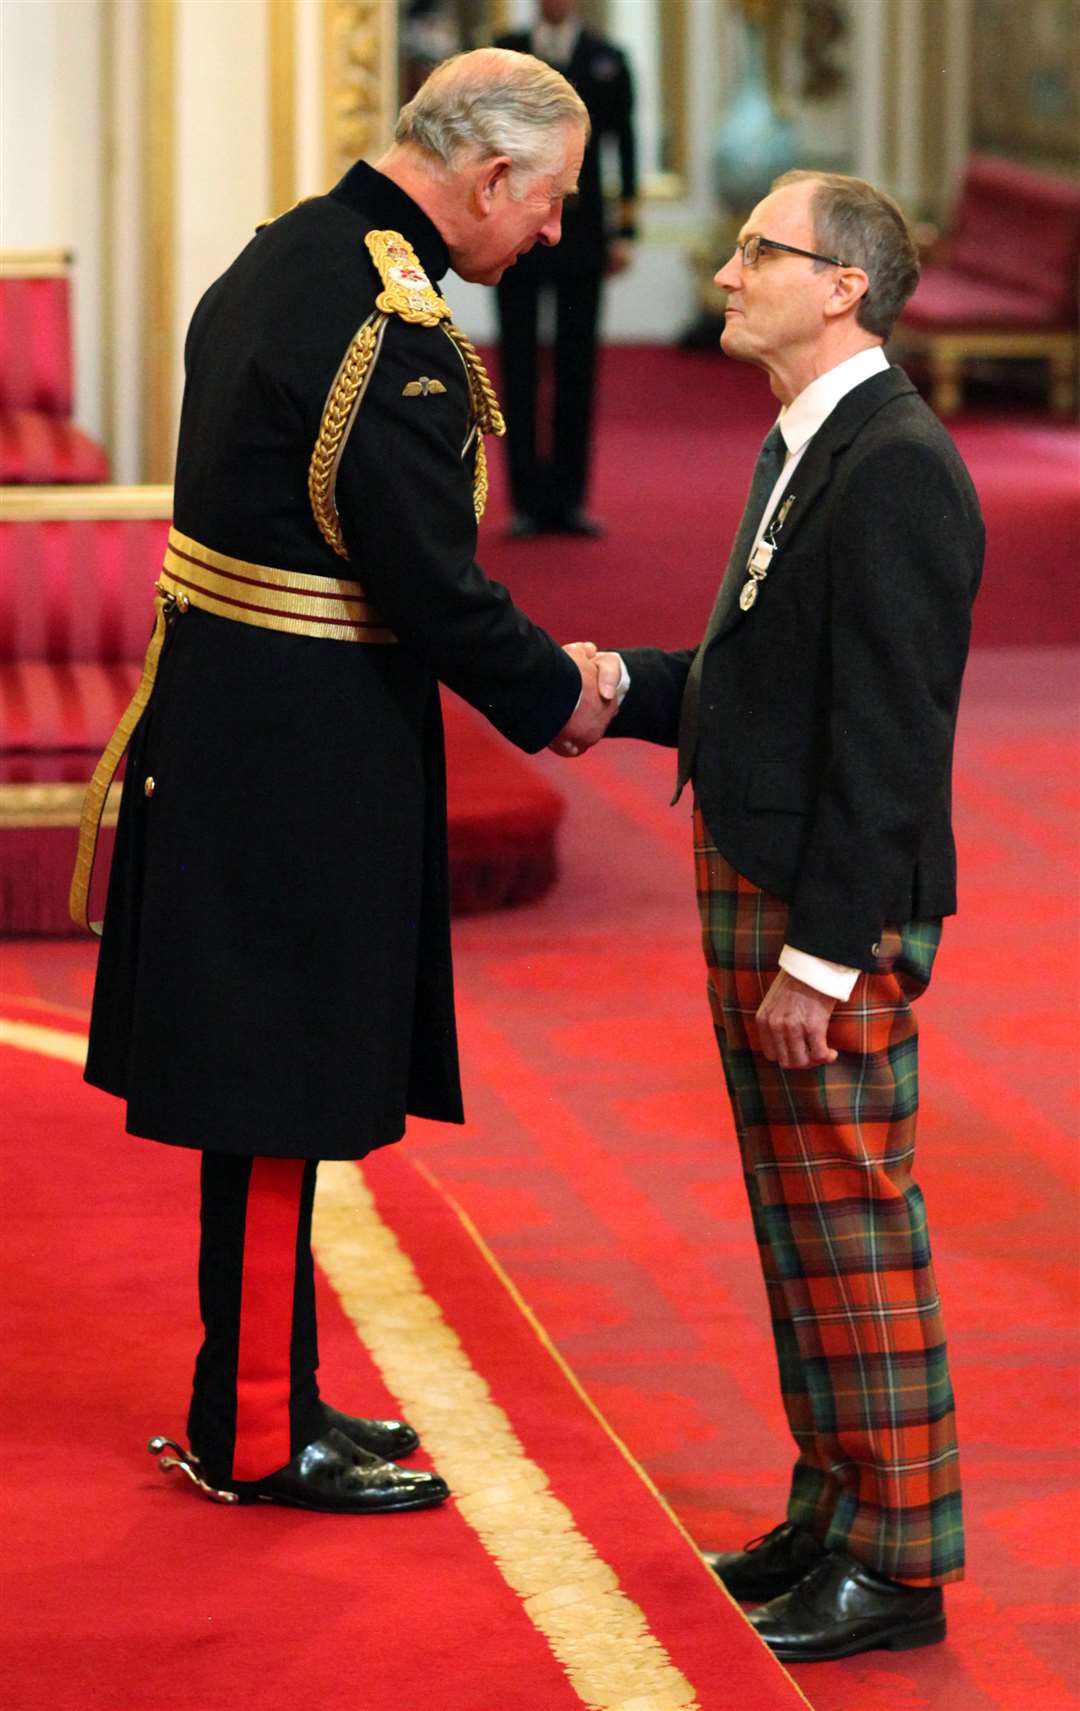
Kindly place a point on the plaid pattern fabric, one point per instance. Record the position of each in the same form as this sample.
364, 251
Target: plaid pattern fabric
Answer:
841, 1230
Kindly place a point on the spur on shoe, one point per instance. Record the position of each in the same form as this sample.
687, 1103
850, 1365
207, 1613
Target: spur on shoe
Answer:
840, 1607
768, 1565
333, 1475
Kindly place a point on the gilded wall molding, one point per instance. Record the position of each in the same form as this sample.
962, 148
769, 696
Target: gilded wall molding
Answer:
281, 23
159, 236
359, 81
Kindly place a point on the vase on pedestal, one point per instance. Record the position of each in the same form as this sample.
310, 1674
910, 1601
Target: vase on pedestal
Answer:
753, 143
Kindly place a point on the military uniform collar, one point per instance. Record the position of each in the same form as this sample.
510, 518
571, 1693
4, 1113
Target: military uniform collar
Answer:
383, 204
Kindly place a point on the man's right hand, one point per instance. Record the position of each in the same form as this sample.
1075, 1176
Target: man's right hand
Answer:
600, 677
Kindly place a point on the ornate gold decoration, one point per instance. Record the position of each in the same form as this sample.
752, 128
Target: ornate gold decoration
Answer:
598, 1634
485, 409
425, 387
359, 81
485, 405
407, 291
339, 412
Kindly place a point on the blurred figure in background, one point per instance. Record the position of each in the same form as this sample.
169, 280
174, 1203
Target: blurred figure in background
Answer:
548, 488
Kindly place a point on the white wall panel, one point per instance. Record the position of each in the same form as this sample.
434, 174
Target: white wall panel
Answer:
222, 144
51, 147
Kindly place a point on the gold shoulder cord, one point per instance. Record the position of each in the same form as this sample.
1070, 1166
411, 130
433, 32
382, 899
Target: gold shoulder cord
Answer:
408, 293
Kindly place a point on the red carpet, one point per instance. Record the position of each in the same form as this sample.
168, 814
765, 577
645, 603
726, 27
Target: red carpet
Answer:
127, 1592
599, 1164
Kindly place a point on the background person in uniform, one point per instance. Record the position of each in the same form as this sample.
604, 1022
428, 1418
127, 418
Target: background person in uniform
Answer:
274, 984
816, 724
548, 487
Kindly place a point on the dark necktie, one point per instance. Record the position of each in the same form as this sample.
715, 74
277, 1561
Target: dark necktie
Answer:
770, 461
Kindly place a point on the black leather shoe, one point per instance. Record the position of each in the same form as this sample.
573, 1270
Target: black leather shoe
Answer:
769, 1565
578, 522
390, 1439
334, 1475
840, 1608
522, 527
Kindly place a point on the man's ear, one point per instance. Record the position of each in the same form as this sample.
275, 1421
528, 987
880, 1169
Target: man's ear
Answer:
849, 287
489, 175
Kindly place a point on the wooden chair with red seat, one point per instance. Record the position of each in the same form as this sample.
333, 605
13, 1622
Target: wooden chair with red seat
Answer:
1003, 284
39, 442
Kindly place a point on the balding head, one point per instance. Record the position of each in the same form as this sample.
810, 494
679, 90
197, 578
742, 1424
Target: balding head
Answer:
493, 102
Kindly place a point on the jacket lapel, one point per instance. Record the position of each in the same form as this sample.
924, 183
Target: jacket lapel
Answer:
813, 473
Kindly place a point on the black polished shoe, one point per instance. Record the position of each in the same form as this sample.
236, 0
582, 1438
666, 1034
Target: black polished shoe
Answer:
769, 1565
390, 1439
522, 527
840, 1608
334, 1475
578, 522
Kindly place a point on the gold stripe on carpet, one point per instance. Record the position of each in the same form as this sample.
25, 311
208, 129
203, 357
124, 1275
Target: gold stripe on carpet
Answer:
47, 1042
598, 1634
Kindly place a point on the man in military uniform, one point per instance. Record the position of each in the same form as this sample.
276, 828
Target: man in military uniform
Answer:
548, 488
274, 984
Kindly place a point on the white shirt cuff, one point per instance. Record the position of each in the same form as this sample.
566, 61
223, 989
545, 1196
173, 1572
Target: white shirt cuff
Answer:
835, 979
624, 681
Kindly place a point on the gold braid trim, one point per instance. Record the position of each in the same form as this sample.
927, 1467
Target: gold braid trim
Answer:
322, 471
489, 417
485, 409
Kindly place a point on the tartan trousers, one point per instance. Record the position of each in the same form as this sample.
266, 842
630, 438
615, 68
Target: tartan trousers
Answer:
841, 1229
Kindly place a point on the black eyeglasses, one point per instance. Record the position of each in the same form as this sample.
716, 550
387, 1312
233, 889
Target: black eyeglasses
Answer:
750, 249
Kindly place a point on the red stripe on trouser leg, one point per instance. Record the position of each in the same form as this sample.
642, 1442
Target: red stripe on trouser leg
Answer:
263, 1375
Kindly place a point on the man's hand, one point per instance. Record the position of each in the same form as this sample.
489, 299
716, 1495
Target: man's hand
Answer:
600, 675
793, 1021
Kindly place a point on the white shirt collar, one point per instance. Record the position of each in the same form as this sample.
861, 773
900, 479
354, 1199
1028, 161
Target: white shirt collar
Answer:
555, 43
802, 418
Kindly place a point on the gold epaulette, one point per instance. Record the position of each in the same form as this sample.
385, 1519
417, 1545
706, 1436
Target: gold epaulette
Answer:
409, 294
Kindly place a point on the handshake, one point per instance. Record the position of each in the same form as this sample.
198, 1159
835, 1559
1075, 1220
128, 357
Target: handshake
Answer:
601, 674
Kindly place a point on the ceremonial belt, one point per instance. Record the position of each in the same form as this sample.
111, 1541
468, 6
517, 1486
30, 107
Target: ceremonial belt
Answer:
327, 607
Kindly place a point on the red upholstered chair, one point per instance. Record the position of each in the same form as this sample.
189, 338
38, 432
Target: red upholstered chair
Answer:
1004, 283
38, 440
77, 573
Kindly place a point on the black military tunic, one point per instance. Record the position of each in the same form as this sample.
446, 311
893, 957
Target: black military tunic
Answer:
275, 972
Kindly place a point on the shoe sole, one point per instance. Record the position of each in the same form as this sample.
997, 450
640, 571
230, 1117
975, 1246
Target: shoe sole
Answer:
902, 1640
406, 1503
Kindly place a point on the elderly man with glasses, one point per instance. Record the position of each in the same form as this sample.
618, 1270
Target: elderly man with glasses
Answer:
815, 723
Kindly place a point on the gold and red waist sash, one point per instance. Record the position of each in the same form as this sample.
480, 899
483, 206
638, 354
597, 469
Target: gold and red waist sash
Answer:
326, 607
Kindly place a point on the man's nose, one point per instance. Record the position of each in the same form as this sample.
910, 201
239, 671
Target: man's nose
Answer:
730, 275
551, 230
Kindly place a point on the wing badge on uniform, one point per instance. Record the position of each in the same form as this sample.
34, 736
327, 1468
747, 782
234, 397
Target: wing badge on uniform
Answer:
422, 388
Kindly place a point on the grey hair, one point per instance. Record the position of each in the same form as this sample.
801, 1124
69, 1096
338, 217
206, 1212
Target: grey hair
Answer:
490, 102
865, 228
